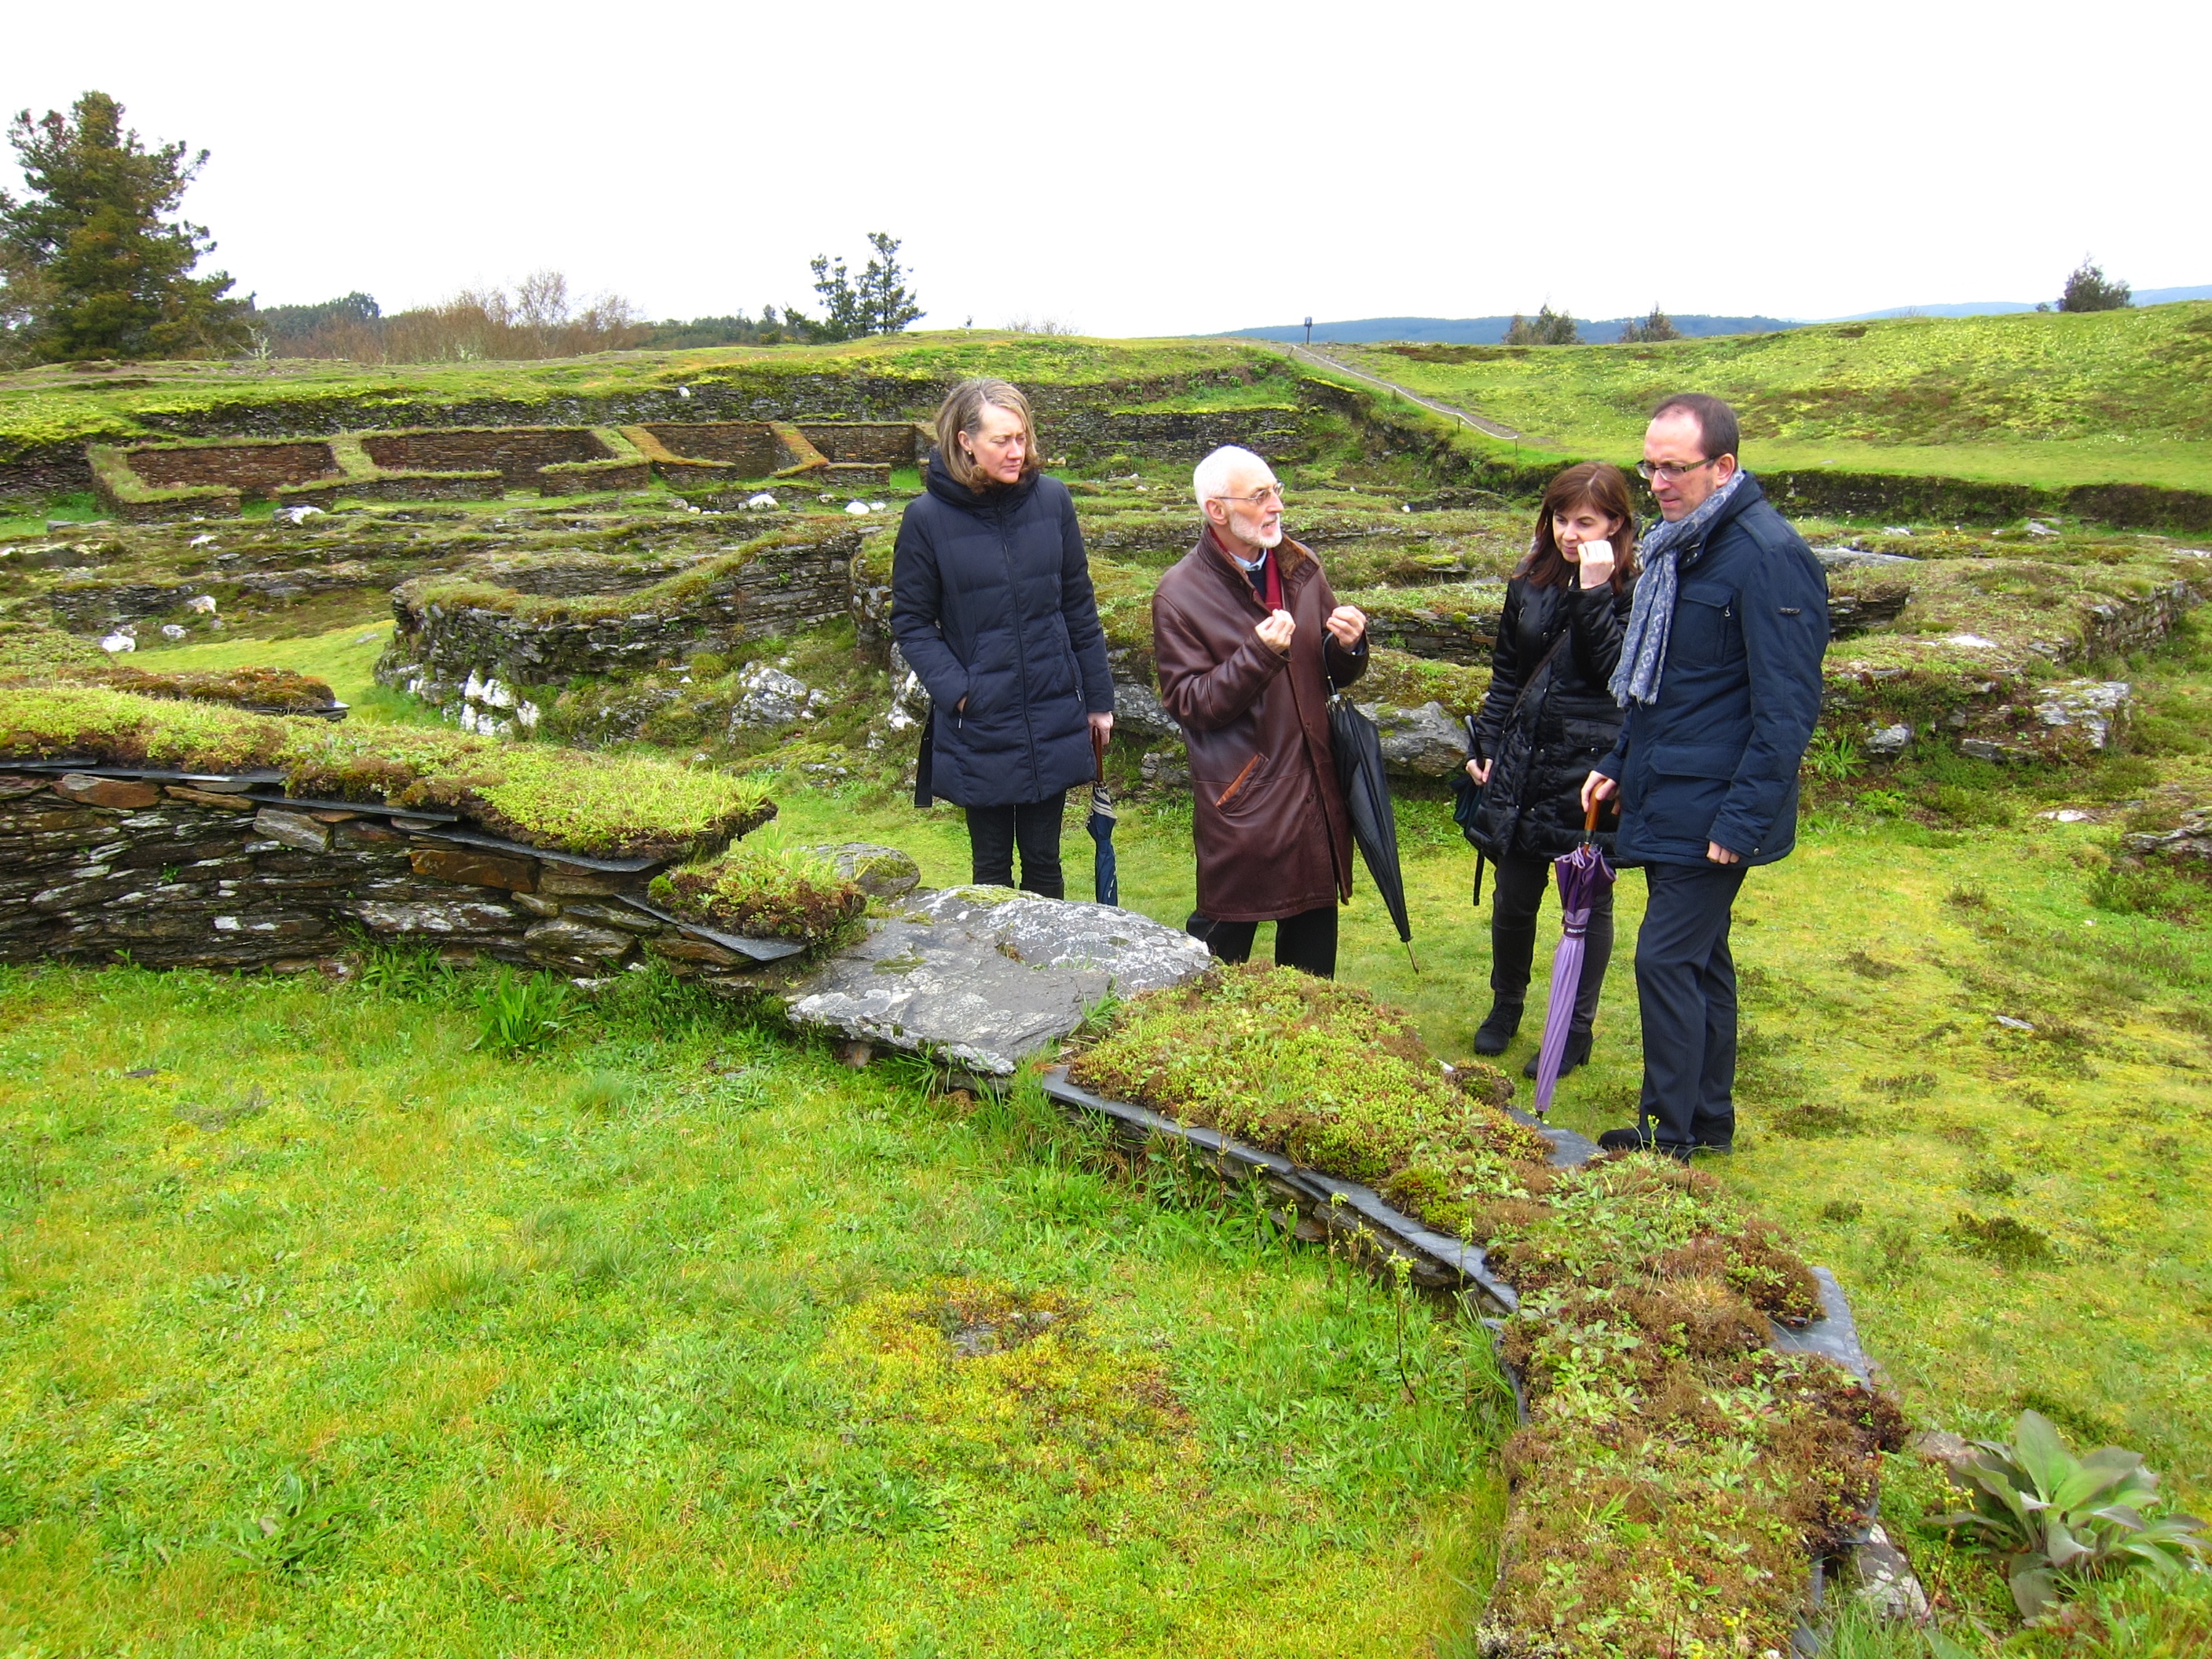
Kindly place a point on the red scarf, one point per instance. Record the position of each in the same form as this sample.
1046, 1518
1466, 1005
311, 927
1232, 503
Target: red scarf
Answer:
1270, 592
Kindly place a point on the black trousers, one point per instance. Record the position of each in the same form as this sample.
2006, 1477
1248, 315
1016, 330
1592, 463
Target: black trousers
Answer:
1306, 940
994, 832
1686, 987
1517, 897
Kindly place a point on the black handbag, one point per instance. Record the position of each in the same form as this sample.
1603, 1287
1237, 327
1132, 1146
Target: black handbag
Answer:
1467, 801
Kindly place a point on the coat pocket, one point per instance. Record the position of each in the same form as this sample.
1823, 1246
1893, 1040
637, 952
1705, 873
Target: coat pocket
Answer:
1706, 631
1229, 791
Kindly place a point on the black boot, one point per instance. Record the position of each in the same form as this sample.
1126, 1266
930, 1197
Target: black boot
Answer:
1577, 1053
1498, 1028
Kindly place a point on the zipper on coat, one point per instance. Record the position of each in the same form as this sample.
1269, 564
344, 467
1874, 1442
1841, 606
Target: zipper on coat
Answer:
1021, 656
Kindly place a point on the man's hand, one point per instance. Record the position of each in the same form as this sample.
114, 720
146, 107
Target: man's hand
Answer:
1717, 854
1275, 632
1597, 787
1345, 624
1102, 727
1479, 770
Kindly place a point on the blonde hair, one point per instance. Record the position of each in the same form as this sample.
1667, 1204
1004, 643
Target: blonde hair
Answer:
962, 411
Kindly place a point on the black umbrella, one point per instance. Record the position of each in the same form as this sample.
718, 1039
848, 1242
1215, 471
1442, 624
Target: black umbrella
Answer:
1359, 748
1105, 877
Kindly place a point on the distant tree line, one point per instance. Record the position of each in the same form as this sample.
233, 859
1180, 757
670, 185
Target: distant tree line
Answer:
1549, 327
96, 261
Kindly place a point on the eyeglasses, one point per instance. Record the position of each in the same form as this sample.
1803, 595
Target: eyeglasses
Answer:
1670, 471
1259, 497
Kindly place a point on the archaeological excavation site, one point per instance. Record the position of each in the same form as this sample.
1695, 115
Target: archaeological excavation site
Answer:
462, 896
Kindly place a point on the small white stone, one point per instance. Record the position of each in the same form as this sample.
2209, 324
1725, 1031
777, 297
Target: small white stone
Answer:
172, 631
204, 603
117, 641
204, 539
859, 508
757, 503
1970, 642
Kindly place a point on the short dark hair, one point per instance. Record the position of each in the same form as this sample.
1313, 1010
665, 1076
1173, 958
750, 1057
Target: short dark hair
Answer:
1717, 430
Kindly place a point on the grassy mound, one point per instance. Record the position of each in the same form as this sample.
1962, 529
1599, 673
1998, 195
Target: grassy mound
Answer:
781, 892
552, 798
1674, 1470
1308, 1068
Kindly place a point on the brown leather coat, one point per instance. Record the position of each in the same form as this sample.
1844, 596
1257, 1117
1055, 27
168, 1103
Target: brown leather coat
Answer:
1272, 834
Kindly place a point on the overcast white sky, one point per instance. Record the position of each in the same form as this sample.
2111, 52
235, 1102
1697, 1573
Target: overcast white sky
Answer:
1169, 168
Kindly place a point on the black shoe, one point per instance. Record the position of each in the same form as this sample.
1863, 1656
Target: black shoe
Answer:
1621, 1140
1497, 1029
1577, 1053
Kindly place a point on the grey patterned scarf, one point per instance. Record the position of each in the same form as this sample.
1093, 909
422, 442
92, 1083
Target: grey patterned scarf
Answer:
1644, 643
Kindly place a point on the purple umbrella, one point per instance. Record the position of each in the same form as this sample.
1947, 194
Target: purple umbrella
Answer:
1583, 874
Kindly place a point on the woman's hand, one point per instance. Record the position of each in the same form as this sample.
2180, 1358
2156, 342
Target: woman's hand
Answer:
1479, 770
1102, 727
1596, 563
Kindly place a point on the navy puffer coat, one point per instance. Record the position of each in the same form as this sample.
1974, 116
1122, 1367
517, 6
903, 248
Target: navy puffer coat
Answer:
1715, 759
991, 602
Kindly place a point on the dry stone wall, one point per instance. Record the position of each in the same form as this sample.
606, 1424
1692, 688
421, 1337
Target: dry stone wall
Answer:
230, 872
442, 646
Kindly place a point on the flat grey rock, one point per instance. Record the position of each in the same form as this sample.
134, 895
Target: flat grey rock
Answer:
1425, 742
985, 977
880, 871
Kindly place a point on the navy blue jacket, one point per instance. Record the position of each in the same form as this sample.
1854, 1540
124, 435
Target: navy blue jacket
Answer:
1715, 758
991, 601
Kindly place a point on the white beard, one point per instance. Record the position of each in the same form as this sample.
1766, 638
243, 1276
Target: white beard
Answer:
1250, 532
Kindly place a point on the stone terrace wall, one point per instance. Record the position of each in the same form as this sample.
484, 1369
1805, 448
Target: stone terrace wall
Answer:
751, 446
782, 590
889, 443
227, 873
251, 469
516, 453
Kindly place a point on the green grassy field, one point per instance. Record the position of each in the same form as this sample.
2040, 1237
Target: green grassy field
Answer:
323, 1331
2047, 399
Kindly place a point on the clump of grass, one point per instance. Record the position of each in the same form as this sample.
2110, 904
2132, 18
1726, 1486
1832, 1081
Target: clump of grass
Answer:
766, 890
520, 1012
2001, 1238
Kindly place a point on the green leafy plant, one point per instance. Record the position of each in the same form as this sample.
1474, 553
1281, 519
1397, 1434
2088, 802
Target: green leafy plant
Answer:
520, 1012
2058, 1520
1833, 756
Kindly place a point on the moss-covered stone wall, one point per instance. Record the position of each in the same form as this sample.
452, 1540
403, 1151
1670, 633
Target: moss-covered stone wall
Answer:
451, 632
227, 872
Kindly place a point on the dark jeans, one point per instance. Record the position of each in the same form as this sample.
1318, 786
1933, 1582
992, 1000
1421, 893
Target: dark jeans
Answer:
1686, 986
1306, 940
994, 831
1517, 897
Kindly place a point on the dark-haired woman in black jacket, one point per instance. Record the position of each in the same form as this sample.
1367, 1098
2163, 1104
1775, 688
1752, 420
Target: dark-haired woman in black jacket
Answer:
991, 604
1547, 718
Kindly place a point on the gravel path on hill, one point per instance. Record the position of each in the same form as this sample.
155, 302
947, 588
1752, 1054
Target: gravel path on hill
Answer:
1479, 423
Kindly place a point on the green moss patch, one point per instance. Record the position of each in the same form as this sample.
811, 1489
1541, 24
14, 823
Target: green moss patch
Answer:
780, 892
1674, 1470
557, 799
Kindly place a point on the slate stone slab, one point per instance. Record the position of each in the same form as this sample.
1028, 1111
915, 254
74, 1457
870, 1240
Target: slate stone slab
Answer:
984, 976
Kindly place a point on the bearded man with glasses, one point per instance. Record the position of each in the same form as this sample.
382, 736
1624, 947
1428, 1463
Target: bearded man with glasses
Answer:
1720, 673
1248, 638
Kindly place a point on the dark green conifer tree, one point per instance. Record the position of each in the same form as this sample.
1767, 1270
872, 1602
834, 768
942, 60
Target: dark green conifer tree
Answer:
96, 260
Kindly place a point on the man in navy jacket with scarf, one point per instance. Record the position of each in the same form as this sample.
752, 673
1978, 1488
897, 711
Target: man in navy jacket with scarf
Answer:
1720, 673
